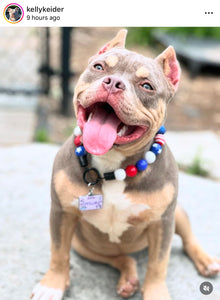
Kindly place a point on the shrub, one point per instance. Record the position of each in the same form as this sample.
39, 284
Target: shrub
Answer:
144, 35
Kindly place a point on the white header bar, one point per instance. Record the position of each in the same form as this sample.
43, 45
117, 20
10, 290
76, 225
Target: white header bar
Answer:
118, 13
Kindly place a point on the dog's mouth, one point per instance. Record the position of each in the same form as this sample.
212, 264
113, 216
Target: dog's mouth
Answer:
102, 128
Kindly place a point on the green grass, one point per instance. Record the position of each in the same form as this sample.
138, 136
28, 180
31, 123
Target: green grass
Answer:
196, 167
42, 136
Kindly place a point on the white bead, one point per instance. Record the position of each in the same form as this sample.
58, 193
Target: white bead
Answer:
120, 174
150, 157
77, 131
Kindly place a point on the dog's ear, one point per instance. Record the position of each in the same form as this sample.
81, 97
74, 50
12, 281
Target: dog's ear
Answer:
118, 41
170, 65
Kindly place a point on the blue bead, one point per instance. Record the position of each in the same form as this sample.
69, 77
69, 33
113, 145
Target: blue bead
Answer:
162, 130
156, 148
141, 165
80, 151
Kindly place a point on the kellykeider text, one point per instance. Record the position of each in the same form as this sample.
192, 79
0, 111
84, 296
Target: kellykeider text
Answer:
44, 9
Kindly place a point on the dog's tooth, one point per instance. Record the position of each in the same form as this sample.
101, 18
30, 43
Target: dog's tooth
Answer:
90, 117
123, 130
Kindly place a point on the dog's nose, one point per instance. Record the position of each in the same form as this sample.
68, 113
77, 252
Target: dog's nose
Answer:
113, 84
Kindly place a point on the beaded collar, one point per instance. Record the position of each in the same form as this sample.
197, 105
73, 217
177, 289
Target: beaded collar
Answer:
119, 174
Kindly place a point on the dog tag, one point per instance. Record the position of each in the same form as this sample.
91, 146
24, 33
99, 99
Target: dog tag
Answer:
90, 202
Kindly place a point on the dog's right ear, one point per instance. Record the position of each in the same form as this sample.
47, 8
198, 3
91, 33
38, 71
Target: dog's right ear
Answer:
118, 41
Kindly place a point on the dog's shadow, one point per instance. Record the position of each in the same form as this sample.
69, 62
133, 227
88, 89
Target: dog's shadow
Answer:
98, 281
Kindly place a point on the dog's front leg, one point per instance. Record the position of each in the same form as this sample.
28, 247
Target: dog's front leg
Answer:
56, 280
159, 243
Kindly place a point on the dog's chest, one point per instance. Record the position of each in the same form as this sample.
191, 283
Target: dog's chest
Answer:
117, 208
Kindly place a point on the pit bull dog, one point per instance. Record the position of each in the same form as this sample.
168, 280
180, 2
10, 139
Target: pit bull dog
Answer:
13, 14
115, 183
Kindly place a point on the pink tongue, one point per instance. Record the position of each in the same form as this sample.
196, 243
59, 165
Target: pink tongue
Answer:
99, 134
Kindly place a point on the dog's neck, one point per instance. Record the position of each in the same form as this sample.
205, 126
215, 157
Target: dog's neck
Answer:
115, 159
108, 162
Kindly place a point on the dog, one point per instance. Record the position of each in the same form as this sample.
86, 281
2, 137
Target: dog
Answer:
110, 195
13, 14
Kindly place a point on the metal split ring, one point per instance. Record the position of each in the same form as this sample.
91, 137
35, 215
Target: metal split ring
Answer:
91, 176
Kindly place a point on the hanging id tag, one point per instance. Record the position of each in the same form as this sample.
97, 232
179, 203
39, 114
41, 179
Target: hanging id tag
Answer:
90, 201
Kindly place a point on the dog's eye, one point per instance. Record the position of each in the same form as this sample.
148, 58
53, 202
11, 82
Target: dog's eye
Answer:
98, 67
147, 86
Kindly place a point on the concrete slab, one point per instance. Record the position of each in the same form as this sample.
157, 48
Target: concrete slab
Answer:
25, 173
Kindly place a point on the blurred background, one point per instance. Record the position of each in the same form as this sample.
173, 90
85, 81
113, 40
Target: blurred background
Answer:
40, 67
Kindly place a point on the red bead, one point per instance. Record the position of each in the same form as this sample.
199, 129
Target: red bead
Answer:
159, 139
77, 141
131, 171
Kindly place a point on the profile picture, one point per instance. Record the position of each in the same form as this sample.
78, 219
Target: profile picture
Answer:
13, 13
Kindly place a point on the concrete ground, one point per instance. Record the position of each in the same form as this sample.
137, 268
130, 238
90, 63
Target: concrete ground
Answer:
24, 233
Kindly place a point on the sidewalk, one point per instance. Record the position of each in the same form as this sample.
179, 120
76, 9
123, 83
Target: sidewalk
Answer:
25, 202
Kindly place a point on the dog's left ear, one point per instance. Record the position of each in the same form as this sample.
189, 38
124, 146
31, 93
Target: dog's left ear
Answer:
118, 41
170, 65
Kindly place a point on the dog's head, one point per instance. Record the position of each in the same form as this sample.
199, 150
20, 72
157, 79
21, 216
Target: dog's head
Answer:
13, 13
121, 98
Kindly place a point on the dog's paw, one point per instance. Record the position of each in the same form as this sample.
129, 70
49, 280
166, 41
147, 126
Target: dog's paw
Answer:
213, 268
208, 266
128, 282
127, 287
42, 292
51, 287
